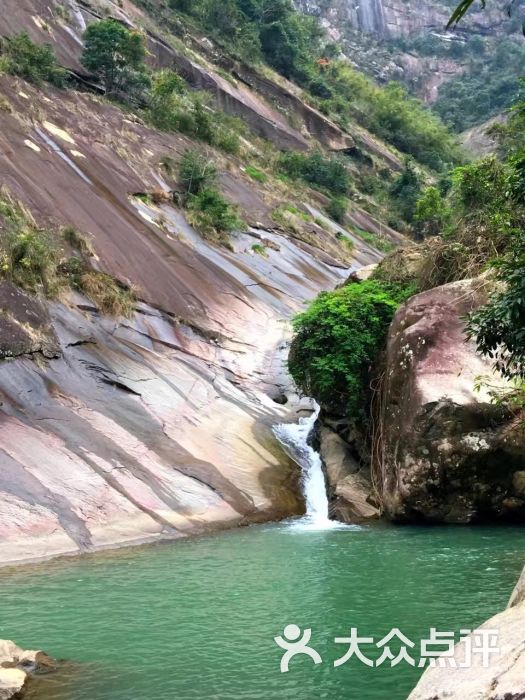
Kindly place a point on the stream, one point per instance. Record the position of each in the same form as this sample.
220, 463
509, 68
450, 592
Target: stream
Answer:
196, 619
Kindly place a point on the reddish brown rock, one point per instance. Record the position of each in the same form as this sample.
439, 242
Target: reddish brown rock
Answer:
448, 454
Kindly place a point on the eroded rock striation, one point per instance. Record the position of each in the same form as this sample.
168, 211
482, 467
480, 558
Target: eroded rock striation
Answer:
448, 453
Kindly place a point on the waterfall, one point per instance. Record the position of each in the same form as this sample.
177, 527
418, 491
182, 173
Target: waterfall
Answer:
294, 439
371, 16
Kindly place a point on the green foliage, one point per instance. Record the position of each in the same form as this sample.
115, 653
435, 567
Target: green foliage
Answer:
336, 209
260, 250
255, 173
391, 113
212, 215
33, 258
406, 190
30, 61
196, 172
29, 254
172, 107
337, 342
431, 212
499, 327
255, 29
115, 55
489, 87
328, 174
292, 43
374, 239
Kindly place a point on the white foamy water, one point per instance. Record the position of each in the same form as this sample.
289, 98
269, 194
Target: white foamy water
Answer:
294, 439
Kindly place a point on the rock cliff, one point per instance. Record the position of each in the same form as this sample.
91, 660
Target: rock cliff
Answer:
446, 451
121, 430
406, 41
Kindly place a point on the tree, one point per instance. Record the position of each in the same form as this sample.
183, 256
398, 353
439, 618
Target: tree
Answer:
430, 213
32, 62
115, 55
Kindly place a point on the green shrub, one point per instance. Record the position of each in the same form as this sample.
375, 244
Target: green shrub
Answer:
337, 341
196, 172
212, 215
29, 255
431, 212
336, 209
499, 327
328, 174
32, 62
33, 258
260, 249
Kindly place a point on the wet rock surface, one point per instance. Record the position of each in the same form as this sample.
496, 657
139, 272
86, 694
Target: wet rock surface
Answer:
17, 666
447, 452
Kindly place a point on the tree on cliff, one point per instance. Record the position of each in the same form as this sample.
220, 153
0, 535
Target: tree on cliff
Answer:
116, 56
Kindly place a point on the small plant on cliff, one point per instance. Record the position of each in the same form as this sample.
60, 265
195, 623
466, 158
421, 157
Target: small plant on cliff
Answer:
338, 339
34, 63
196, 172
336, 209
116, 56
29, 255
212, 215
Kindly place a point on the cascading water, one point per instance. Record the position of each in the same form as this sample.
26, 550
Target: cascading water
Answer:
294, 439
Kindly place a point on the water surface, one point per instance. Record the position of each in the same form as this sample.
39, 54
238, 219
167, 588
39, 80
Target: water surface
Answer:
195, 619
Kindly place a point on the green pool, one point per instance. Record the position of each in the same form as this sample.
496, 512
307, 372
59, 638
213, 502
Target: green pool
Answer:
196, 618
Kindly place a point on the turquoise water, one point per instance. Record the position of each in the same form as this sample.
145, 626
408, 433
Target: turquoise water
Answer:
195, 619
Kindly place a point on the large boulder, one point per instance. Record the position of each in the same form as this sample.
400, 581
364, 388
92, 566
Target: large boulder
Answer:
504, 676
448, 453
349, 487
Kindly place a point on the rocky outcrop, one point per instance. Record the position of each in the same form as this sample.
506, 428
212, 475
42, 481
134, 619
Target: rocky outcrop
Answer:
17, 665
479, 141
117, 431
349, 487
447, 453
503, 678
25, 326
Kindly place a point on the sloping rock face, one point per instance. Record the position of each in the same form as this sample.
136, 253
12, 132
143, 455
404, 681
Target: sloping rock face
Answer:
502, 679
447, 453
126, 430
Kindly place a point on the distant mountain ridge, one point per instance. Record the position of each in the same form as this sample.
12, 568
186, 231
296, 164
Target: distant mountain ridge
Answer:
407, 41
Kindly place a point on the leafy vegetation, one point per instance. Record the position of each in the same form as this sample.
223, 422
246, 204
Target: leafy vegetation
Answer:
115, 55
490, 86
337, 340
327, 174
36, 64
294, 45
34, 258
261, 29
212, 215
391, 113
255, 173
196, 172
336, 209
